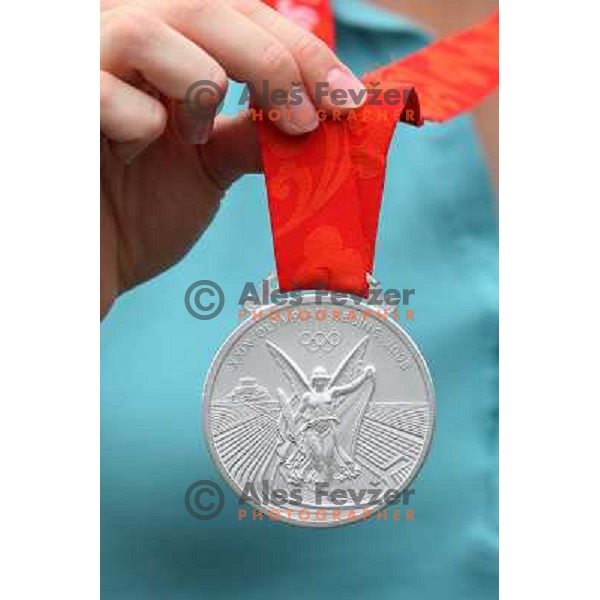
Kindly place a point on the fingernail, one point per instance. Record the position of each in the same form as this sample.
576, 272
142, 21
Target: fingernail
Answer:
198, 132
342, 79
129, 151
302, 113
193, 130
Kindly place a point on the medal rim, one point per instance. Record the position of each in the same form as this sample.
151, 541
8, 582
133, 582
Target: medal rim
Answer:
310, 296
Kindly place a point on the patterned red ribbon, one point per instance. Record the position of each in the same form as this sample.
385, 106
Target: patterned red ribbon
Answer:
325, 188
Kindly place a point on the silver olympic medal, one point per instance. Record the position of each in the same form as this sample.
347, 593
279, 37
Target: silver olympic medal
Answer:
318, 414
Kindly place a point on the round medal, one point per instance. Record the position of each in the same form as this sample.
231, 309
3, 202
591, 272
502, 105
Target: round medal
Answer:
319, 414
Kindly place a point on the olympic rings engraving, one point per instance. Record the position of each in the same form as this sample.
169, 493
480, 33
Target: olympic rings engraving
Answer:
320, 340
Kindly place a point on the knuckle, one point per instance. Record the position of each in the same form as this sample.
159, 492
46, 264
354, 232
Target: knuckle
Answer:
132, 27
196, 8
276, 59
308, 48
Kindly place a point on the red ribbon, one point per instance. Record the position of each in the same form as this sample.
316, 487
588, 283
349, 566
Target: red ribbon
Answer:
325, 188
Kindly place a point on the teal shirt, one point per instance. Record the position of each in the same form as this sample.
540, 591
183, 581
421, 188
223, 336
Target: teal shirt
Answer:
438, 235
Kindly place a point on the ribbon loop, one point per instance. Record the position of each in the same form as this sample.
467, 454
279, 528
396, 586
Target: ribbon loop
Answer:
325, 188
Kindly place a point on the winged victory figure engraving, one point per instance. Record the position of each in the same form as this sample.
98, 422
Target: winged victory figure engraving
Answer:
321, 416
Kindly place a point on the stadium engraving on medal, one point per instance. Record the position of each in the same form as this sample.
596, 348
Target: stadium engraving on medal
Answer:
310, 409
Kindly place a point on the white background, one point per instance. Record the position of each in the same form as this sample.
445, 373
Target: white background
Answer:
49, 425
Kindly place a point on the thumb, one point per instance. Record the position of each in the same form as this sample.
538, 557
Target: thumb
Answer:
232, 150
